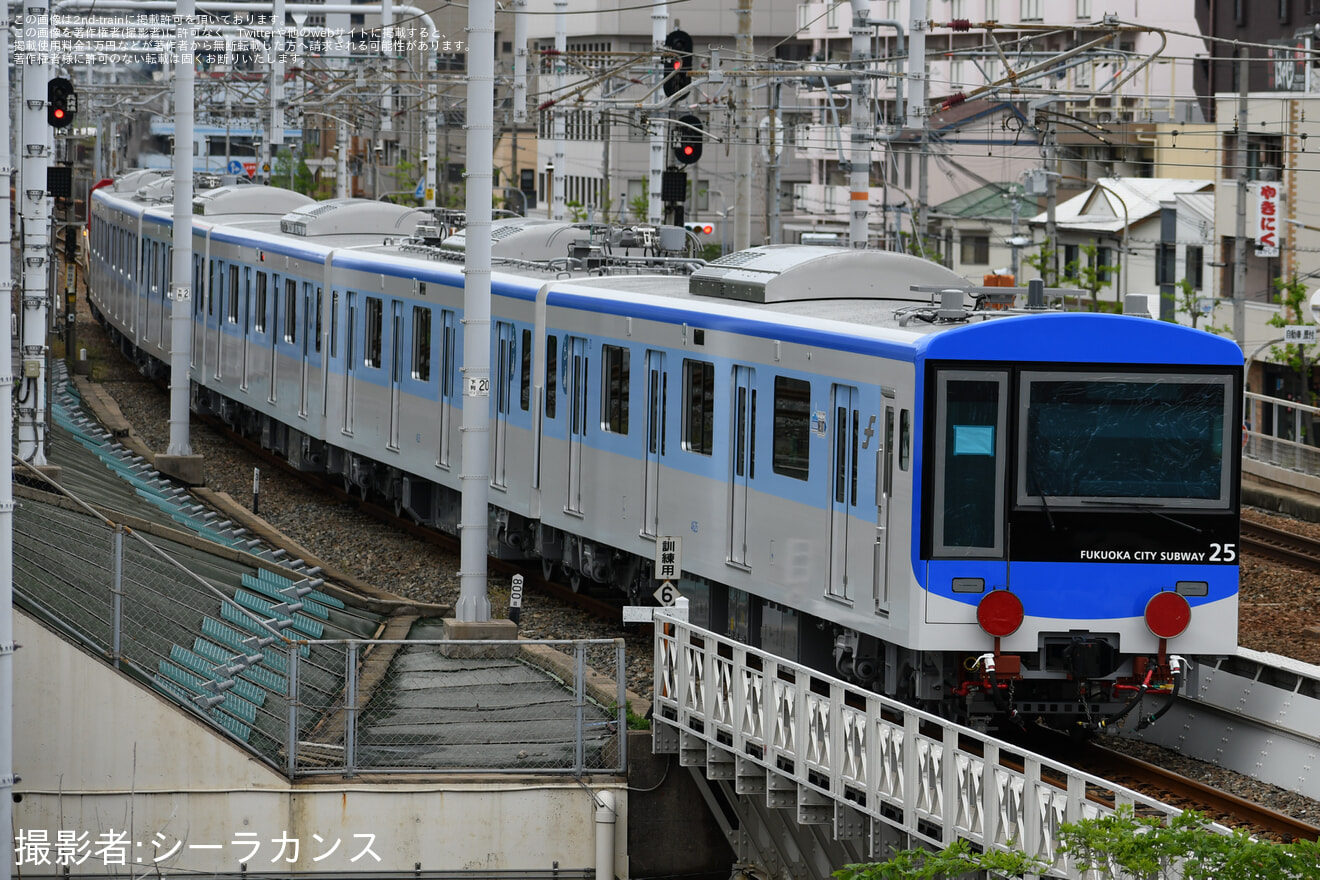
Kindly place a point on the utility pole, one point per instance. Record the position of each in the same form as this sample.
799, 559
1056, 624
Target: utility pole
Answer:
1050, 266
178, 460
742, 139
6, 477
859, 157
772, 218
557, 112
918, 115
36, 156
655, 209
1240, 233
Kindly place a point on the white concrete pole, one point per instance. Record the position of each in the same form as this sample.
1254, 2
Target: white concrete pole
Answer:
6, 482
859, 177
275, 140
341, 163
181, 270
429, 183
34, 207
558, 132
473, 604
742, 138
519, 64
655, 209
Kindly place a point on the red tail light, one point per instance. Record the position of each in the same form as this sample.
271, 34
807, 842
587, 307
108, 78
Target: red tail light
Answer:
1000, 613
1168, 614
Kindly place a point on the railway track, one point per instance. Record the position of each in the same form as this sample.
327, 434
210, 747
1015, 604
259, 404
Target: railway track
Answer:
1163, 785
1186, 793
583, 600
1280, 545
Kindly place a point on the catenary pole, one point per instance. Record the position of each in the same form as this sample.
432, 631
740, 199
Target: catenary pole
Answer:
181, 270
35, 210
6, 479
742, 141
859, 174
473, 602
1240, 232
655, 211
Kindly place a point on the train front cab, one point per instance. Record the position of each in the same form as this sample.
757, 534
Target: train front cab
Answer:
1079, 524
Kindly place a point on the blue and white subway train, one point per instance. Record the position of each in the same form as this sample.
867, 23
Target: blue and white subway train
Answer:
989, 512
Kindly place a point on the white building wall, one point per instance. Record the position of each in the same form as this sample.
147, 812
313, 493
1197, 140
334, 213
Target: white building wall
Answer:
97, 752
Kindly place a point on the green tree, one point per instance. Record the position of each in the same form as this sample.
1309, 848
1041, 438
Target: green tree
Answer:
1292, 296
1043, 261
1089, 275
1120, 846
640, 206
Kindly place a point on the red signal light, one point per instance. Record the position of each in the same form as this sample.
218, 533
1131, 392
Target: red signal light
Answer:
707, 229
687, 150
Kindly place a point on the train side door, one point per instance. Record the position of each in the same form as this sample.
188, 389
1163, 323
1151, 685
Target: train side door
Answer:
448, 339
350, 360
657, 387
247, 318
274, 333
884, 490
575, 350
396, 369
307, 330
845, 428
506, 351
742, 464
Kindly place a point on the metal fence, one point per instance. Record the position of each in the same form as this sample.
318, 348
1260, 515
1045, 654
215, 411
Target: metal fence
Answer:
1282, 433
166, 614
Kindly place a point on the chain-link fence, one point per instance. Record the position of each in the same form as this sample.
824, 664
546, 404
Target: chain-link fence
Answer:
313, 706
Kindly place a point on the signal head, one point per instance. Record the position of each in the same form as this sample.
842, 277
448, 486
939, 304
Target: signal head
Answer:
61, 102
690, 136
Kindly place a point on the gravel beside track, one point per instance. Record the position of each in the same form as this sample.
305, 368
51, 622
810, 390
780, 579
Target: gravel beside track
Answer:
1277, 602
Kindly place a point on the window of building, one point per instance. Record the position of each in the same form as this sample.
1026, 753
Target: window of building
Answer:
372, 339
792, 428
614, 389
421, 347
1103, 263
1195, 261
699, 406
976, 250
1166, 263
1084, 9
1031, 10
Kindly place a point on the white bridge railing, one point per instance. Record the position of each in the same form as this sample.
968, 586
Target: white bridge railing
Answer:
848, 758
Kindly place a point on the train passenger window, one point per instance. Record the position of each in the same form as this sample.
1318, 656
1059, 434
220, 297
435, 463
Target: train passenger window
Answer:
317, 340
968, 502
904, 439
233, 295
792, 428
259, 319
526, 372
421, 354
551, 375
210, 289
290, 310
371, 341
334, 323
699, 406
614, 389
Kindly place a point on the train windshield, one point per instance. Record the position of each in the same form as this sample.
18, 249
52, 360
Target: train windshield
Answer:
1124, 439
